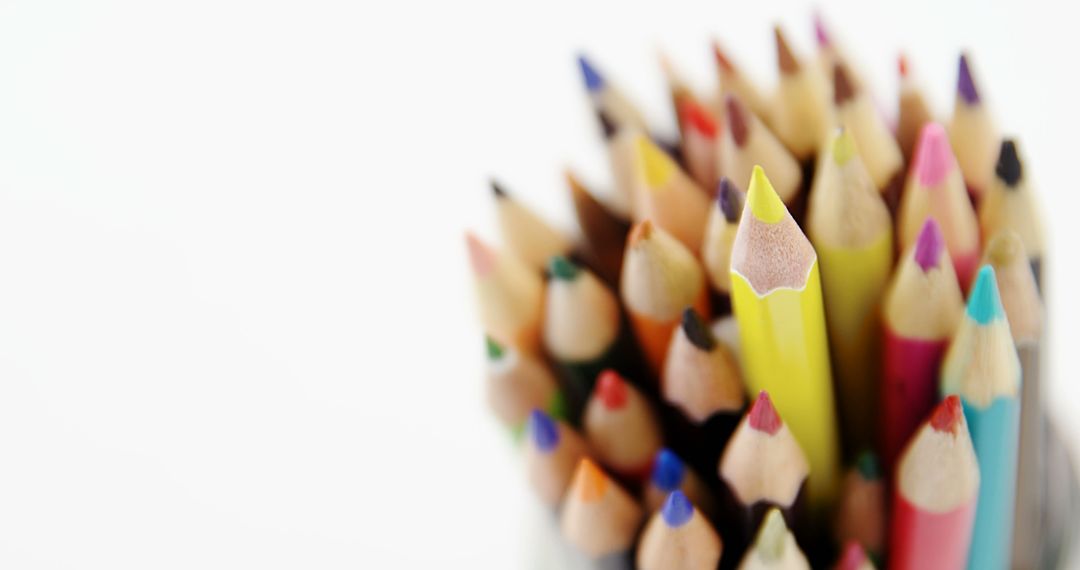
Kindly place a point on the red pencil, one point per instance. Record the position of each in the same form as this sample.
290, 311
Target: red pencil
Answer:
936, 491
622, 428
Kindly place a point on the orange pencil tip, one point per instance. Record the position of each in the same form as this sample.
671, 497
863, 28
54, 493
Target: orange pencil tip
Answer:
641, 231
590, 482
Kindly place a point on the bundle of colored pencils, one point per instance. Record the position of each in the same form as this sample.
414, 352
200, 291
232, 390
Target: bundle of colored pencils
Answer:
800, 336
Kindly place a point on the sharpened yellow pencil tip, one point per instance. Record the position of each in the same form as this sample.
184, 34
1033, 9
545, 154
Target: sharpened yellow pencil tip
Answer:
653, 164
764, 204
843, 147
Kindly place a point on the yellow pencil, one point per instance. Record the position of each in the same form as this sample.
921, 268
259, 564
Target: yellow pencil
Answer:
849, 225
776, 296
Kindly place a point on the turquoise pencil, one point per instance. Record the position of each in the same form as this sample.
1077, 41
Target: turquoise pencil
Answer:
982, 367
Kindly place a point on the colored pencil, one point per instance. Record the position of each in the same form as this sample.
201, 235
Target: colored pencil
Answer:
849, 225
935, 494
720, 235
581, 328
600, 518
803, 114
518, 382
509, 295
776, 296
973, 134
935, 188
1023, 309
830, 53
622, 429
678, 537
660, 278
525, 234
620, 123
734, 82
774, 548
668, 196
698, 130
920, 312
877, 146
854, 558
913, 111
553, 450
762, 468
982, 367
604, 231
671, 473
1009, 204
701, 381
747, 143
860, 516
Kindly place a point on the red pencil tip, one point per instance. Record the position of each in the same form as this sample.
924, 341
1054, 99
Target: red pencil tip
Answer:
902, 65
763, 416
611, 389
696, 116
947, 415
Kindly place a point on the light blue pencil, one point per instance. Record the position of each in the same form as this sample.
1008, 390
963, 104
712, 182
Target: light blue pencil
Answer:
982, 367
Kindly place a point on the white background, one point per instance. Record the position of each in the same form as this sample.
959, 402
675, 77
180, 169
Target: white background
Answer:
235, 320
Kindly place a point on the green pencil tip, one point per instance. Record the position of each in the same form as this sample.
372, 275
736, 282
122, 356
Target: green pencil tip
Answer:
984, 303
867, 465
561, 268
494, 350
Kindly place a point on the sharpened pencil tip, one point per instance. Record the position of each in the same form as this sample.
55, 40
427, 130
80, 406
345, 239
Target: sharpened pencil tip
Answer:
495, 350
641, 231
589, 483
843, 89
772, 538
497, 189
722, 59
947, 415
655, 166
764, 203
562, 269
785, 58
481, 256
763, 416
543, 432
677, 509
821, 34
843, 147
668, 470
737, 121
1008, 167
1005, 248
965, 83
607, 125
868, 467
854, 557
934, 159
984, 303
902, 66
611, 389
696, 330
929, 245
593, 80
695, 116
730, 199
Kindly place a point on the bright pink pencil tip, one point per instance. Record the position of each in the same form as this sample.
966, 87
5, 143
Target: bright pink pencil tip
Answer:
934, 158
763, 416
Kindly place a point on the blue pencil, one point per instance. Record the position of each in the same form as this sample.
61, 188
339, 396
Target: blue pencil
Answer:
982, 367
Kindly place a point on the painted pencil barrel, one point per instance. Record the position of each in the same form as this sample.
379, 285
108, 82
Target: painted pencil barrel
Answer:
994, 433
922, 539
909, 389
785, 352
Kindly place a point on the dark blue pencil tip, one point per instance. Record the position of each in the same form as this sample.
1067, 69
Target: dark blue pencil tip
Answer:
668, 470
677, 509
984, 303
593, 80
542, 431
965, 84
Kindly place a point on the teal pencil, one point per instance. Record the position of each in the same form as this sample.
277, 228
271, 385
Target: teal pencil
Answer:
982, 367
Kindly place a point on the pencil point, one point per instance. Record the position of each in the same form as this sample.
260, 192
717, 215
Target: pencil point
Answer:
764, 203
721, 58
984, 303
771, 539
867, 465
677, 509
934, 158
562, 269
762, 415
784, 56
593, 80
820, 33
668, 470
611, 390
542, 430
929, 245
697, 117
608, 126
1004, 248
481, 256
1008, 167
696, 330
641, 231
902, 65
947, 415
589, 483
495, 350
965, 84
843, 147
736, 119
843, 90
853, 558
730, 199
656, 166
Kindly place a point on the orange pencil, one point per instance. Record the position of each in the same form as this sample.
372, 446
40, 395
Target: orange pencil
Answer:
600, 518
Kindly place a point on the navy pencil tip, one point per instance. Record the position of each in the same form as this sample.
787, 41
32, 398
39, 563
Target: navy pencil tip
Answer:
668, 470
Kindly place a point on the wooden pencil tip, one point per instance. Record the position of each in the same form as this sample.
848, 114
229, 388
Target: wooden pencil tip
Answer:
697, 331
722, 59
934, 159
902, 65
772, 537
562, 269
785, 58
762, 199
947, 416
592, 78
965, 83
984, 302
730, 199
481, 256
677, 509
821, 33
611, 389
929, 245
495, 351
763, 416
655, 166
668, 470
641, 231
843, 146
1008, 167
590, 482
1005, 248
695, 116
843, 89
497, 189
737, 120
542, 431
607, 125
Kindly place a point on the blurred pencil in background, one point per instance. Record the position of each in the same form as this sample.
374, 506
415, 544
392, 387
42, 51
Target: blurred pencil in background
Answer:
603, 230
1009, 204
973, 133
774, 548
552, 452
678, 537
